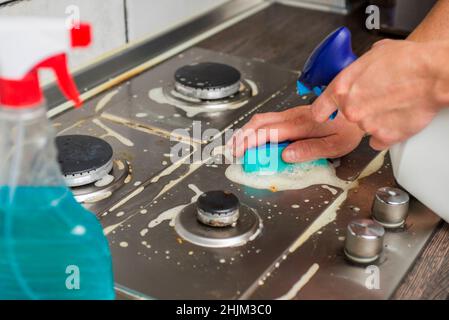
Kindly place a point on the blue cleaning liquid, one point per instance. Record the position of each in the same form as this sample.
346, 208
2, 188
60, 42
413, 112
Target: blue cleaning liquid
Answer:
51, 247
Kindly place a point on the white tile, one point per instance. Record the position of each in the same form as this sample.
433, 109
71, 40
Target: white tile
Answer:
106, 17
148, 18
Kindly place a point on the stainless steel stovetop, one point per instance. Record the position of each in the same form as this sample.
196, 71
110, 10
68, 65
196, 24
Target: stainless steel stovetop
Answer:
297, 254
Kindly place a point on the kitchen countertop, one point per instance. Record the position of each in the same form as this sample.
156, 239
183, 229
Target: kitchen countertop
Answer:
274, 35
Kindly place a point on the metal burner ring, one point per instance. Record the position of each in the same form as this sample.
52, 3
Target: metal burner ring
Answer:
190, 229
207, 80
88, 177
207, 94
91, 193
247, 89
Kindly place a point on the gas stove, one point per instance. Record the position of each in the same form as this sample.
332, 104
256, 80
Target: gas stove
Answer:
140, 130
181, 229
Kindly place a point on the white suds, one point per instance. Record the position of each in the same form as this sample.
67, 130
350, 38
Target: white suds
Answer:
98, 197
158, 95
331, 190
105, 100
127, 198
297, 177
171, 214
103, 182
112, 133
293, 292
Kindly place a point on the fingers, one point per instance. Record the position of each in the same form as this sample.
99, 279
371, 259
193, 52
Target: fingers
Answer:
312, 149
262, 119
377, 144
250, 138
275, 132
346, 92
266, 127
324, 106
395, 126
335, 94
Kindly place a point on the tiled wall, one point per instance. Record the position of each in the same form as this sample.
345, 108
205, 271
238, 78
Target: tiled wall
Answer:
115, 21
150, 17
109, 31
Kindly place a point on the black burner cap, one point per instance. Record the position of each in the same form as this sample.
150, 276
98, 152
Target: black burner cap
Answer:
80, 153
218, 202
207, 75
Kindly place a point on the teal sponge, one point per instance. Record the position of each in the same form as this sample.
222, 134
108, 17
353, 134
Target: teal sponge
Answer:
267, 159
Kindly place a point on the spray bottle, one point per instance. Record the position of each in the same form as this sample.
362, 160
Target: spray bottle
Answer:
50, 246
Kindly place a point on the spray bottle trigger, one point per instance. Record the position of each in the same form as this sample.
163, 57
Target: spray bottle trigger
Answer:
68, 87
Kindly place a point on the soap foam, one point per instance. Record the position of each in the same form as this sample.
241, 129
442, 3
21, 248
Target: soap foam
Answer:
106, 180
172, 213
293, 292
297, 177
158, 95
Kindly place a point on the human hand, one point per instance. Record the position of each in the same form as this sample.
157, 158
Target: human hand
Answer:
392, 92
310, 140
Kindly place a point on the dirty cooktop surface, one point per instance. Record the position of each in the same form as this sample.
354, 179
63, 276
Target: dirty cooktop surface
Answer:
295, 249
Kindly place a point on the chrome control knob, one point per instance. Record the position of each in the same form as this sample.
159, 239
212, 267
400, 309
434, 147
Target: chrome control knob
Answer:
390, 207
364, 240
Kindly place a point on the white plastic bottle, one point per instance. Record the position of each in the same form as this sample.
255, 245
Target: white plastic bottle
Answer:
421, 165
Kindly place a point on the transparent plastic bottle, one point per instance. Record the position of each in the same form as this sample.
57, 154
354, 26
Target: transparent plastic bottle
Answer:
50, 246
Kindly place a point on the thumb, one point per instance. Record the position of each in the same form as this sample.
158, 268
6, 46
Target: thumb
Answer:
309, 149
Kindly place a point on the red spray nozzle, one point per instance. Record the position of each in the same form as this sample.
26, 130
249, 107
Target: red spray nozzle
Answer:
81, 35
47, 47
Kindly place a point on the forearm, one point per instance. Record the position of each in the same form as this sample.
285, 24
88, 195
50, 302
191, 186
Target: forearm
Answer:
435, 26
437, 61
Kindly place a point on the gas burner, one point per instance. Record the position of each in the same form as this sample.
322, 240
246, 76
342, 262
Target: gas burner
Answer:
83, 159
209, 87
218, 209
103, 189
218, 220
207, 81
89, 169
